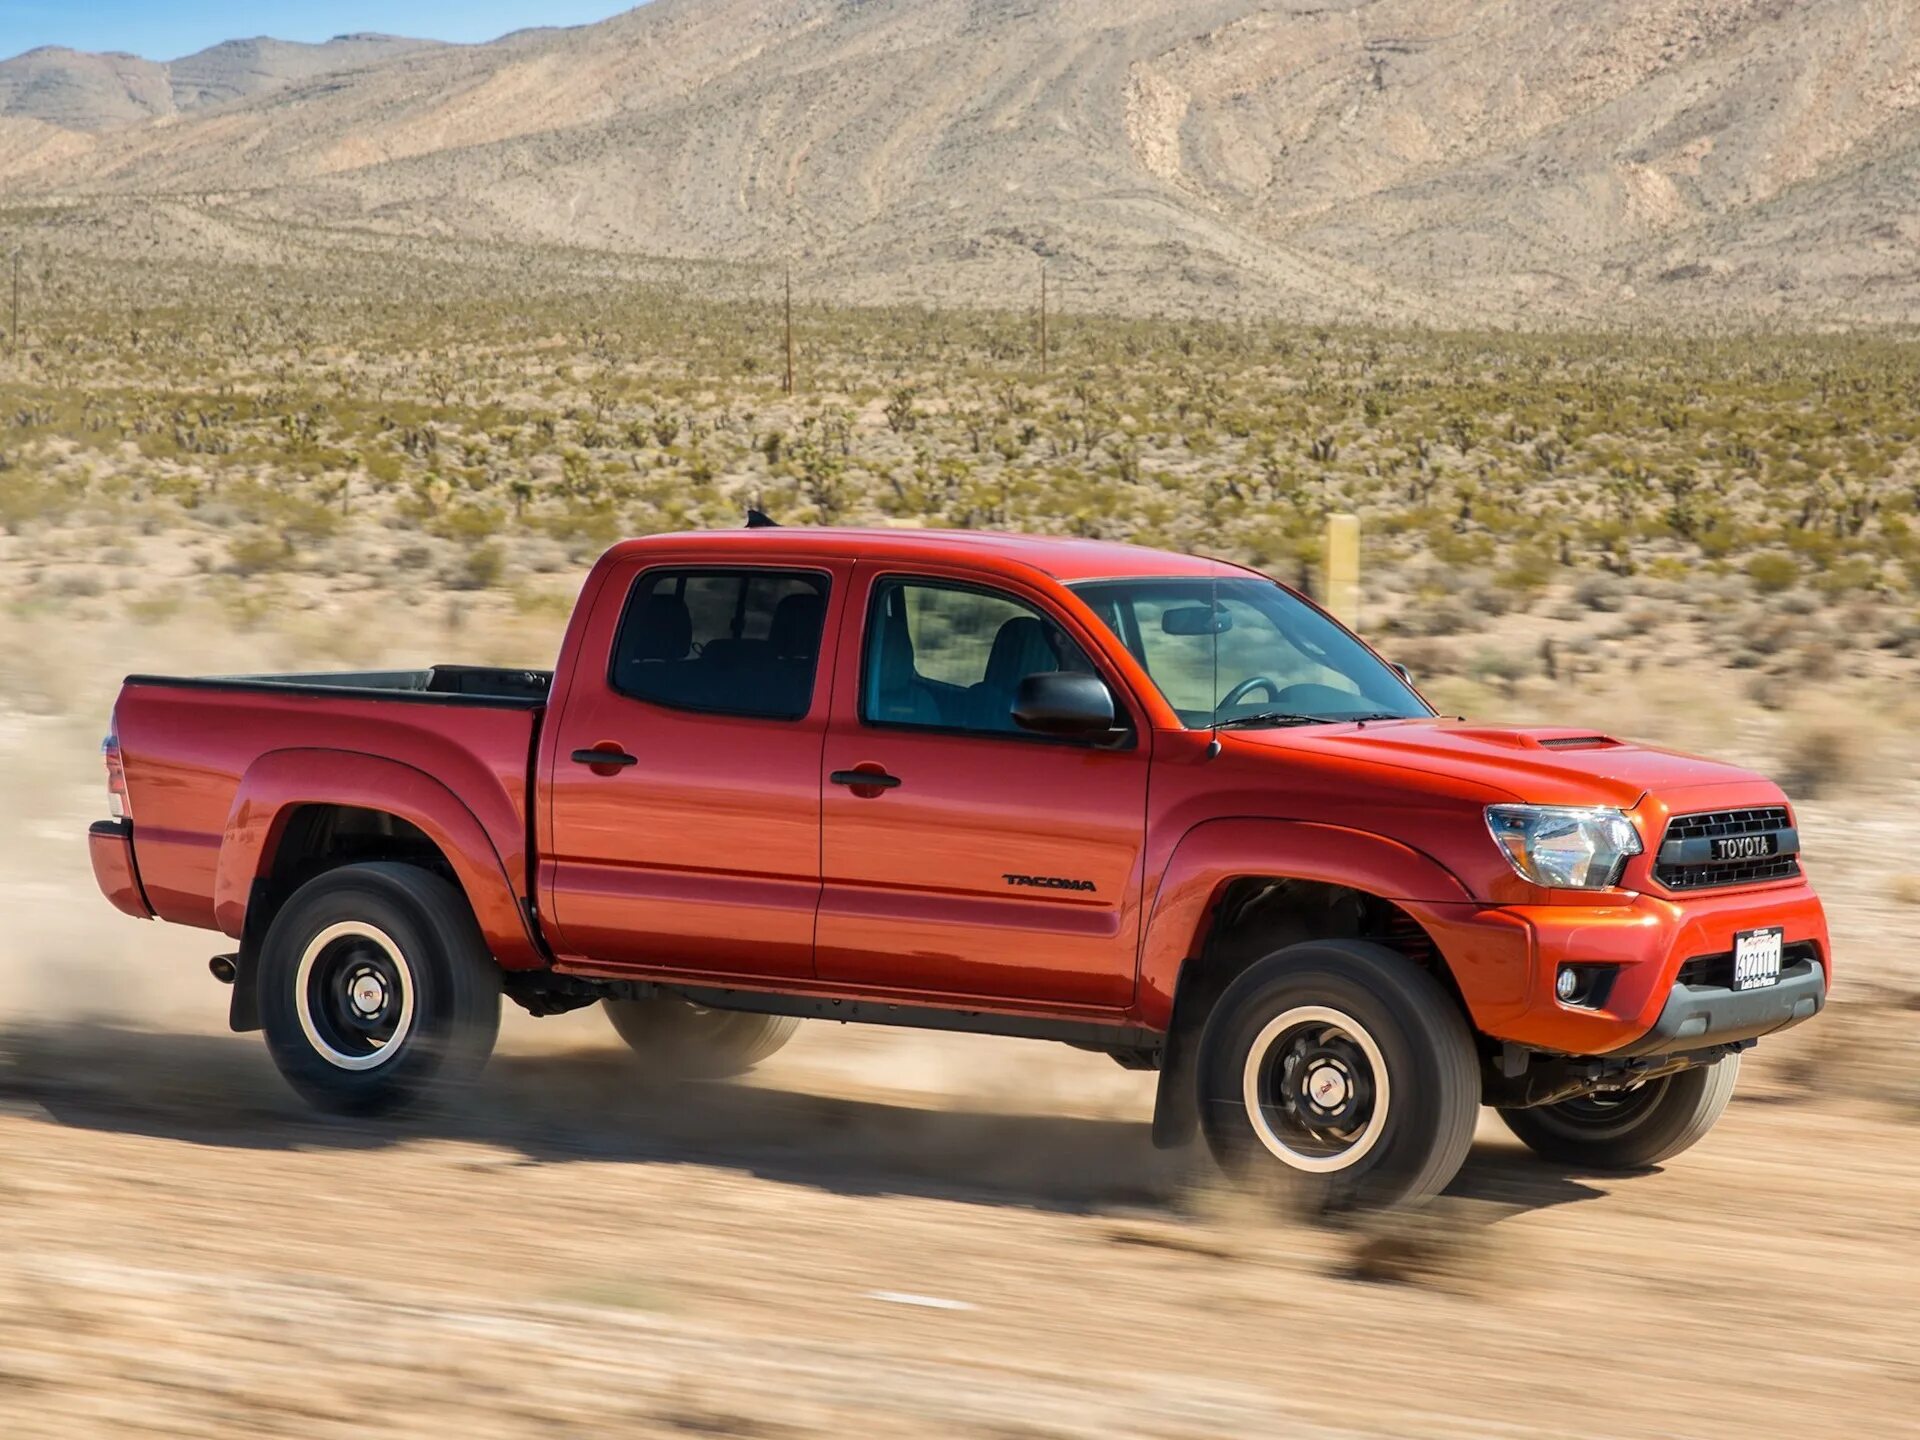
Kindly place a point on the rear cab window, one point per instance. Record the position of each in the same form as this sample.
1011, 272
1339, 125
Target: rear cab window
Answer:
726, 642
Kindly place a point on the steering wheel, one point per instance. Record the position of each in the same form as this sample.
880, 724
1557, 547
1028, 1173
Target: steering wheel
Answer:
1246, 687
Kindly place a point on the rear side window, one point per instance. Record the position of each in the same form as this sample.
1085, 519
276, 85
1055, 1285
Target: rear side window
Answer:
733, 642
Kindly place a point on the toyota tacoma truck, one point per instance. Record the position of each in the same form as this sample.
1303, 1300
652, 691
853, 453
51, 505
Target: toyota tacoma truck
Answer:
1150, 805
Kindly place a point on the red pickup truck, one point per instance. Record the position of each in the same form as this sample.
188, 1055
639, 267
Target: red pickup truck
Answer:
1146, 804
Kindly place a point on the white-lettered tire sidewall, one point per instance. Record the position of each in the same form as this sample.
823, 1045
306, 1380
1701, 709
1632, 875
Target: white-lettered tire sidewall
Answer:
1416, 1027
455, 987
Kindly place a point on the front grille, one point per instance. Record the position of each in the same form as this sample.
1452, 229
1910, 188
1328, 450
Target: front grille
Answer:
1692, 873
1716, 971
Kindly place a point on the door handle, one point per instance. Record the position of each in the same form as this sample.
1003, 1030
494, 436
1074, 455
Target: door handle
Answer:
611, 759
875, 779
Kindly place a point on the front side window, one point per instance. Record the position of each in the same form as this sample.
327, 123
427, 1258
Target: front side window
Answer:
950, 658
1245, 651
734, 642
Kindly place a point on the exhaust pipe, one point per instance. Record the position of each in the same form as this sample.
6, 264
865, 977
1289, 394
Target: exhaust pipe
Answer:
225, 968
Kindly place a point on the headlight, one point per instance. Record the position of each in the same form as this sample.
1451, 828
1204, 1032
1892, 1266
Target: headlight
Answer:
1567, 847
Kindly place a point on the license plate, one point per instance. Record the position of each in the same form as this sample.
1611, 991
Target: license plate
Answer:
1756, 958
1743, 847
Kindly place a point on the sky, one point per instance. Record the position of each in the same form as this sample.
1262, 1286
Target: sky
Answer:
168, 29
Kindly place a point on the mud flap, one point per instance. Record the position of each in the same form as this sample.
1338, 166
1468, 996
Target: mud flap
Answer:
1176, 1105
243, 1011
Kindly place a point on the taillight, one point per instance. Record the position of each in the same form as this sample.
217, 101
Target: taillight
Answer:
117, 801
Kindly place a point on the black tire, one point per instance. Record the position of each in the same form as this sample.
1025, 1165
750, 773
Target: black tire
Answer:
676, 1040
1631, 1129
1270, 1047
387, 931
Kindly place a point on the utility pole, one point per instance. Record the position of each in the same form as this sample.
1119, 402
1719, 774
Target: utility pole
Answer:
1043, 317
788, 385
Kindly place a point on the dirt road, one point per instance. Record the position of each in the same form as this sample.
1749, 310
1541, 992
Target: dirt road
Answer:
881, 1234
842, 1247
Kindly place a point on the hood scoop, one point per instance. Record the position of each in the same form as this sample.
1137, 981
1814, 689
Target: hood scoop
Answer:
1542, 740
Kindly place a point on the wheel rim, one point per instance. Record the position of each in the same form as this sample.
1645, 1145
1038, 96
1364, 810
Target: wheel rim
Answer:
354, 995
1316, 1089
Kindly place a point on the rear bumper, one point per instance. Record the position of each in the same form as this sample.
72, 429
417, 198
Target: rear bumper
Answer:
110, 844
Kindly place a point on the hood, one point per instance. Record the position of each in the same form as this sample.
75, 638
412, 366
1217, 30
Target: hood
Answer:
1541, 765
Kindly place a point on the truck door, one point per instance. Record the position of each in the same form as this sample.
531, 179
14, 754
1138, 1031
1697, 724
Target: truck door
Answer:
685, 770
962, 855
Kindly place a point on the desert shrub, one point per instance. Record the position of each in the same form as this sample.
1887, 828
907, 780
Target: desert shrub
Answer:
467, 524
1499, 666
258, 552
1527, 575
154, 609
75, 585
25, 498
1772, 572
1600, 592
1855, 572
478, 568
1819, 760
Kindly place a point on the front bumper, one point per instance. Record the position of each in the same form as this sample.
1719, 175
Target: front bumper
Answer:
1505, 959
1697, 1016
110, 846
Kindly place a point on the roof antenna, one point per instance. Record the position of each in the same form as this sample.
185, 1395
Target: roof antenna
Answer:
1213, 629
758, 519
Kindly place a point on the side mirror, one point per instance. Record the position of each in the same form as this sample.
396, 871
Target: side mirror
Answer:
1060, 703
1397, 668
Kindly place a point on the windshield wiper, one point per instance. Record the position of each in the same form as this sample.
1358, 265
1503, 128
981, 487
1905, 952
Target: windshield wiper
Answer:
1269, 717
1289, 717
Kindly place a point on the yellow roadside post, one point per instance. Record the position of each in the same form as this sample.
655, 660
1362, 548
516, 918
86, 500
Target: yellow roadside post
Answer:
1342, 597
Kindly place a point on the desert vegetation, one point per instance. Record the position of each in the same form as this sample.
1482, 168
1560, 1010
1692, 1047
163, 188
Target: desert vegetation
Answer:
437, 431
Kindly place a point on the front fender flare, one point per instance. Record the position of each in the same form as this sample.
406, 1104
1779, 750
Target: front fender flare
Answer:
1217, 852
281, 781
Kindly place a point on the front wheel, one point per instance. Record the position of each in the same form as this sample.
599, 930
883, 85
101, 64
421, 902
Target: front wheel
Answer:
1629, 1129
377, 989
1342, 1073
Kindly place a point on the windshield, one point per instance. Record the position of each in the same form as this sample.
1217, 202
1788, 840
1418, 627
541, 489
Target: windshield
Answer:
1280, 662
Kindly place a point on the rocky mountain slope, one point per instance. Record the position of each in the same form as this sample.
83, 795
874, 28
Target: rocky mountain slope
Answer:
1436, 160
79, 91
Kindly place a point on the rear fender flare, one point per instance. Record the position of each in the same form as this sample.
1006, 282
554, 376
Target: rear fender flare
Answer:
281, 781
1215, 853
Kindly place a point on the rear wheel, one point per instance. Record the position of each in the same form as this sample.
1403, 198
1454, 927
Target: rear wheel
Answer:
377, 989
1629, 1129
1340, 1073
676, 1039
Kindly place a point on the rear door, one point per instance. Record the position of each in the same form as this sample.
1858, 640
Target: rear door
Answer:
685, 763
962, 855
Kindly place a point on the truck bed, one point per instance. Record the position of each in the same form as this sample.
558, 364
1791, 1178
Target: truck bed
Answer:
454, 684
189, 744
